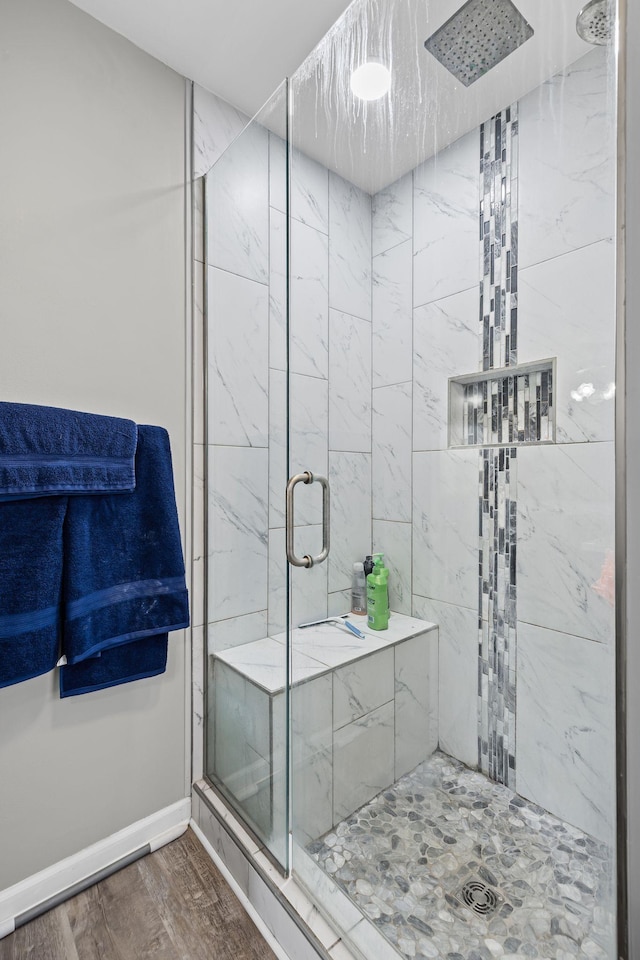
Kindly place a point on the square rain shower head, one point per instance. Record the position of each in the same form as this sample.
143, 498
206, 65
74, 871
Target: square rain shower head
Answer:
477, 37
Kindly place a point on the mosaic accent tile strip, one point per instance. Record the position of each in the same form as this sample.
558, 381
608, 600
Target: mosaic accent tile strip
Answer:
497, 620
512, 409
499, 239
497, 505
405, 855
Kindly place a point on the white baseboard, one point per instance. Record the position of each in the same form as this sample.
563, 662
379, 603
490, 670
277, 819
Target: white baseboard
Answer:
156, 830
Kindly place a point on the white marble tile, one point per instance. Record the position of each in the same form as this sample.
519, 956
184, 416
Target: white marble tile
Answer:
341, 952
309, 301
391, 458
197, 593
565, 535
311, 717
197, 702
277, 172
445, 525
238, 315
199, 396
567, 161
339, 603
313, 918
326, 893
277, 447
334, 645
224, 634
446, 199
392, 215
391, 313
198, 493
277, 612
349, 248
238, 207
312, 753
280, 924
566, 728
239, 731
277, 289
238, 531
349, 383
215, 125
567, 310
350, 482
394, 540
308, 586
309, 429
223, 844
197, 187
458, 676
263, 664
362, 760
447, 342
360, 687
370, 942
309, 183
416, 701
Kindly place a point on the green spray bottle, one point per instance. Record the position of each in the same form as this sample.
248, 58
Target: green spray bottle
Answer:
378, 594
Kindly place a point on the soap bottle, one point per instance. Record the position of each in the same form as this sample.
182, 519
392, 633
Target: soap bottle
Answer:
359, 591
378, 595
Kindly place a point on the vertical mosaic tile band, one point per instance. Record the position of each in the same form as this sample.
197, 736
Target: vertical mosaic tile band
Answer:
506, 410
499, 239
497, 615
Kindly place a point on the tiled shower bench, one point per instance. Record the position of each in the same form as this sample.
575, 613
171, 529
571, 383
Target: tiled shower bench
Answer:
364, 712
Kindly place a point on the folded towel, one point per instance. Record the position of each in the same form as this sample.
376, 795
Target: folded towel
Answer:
47, 450
123, 664
123, 577
30, 587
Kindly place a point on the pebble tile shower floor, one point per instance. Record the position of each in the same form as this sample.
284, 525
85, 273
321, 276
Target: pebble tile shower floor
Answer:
405, 856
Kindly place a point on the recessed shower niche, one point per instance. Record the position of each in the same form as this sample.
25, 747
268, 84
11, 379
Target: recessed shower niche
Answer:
507, 406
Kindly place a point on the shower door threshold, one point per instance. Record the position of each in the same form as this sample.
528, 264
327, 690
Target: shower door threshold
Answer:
282, 903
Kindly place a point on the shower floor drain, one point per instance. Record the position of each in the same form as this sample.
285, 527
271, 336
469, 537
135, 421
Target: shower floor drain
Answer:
479, 897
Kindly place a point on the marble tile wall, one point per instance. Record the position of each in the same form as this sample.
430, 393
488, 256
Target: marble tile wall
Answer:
395, 278
425, 321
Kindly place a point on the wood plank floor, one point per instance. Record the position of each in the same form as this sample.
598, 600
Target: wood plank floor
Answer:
171, 905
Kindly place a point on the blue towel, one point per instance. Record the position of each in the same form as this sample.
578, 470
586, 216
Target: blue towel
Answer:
123, 579
47, 450
123, 664
30, 587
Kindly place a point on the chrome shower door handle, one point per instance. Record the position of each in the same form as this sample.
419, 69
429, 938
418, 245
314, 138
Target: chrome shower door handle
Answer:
307, 561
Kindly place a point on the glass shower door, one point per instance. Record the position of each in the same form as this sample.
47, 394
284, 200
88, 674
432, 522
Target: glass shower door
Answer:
452, 333
247, 653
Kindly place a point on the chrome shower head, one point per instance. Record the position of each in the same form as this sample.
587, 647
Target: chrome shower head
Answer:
478, 37
594, 23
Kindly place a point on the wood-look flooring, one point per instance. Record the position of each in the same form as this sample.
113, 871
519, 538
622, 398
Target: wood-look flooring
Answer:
171, 905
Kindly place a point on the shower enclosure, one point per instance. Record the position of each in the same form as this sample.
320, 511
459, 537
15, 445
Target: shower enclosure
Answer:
410, 336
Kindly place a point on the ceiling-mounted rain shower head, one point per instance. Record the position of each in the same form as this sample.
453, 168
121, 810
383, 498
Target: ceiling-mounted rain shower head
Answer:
594, 23
477, 37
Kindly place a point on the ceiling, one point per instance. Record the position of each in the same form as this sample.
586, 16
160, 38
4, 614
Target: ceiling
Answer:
239, 49
242, 49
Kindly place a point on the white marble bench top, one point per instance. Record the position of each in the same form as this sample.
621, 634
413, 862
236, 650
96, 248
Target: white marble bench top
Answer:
316, 650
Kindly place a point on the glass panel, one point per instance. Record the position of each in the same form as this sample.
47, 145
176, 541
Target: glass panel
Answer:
246, 723
452, 372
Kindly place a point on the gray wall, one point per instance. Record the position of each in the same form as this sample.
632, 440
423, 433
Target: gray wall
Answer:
92, 314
